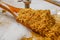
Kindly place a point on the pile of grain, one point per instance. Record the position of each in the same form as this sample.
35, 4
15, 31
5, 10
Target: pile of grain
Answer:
40, 21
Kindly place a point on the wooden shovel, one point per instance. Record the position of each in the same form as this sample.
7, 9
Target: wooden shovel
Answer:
11, 9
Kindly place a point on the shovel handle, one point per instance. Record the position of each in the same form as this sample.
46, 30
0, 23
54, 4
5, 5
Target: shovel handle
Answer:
14, 9
9, 8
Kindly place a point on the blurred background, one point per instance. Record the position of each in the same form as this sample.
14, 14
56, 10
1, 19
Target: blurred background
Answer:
35, 4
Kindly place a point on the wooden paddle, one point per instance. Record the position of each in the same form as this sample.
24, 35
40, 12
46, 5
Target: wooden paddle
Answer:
11, 9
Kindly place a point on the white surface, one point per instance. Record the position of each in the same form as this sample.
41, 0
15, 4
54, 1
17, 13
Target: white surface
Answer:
10, 29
